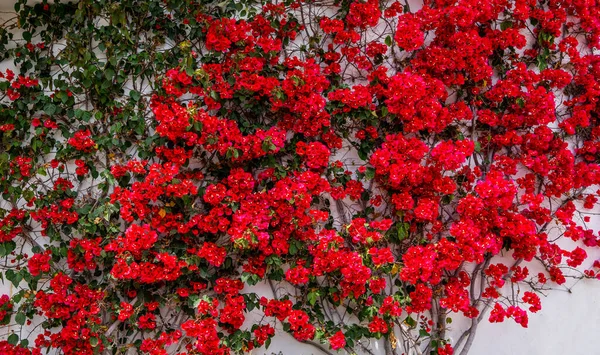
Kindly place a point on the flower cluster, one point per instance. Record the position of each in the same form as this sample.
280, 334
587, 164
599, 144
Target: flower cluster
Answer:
373, 168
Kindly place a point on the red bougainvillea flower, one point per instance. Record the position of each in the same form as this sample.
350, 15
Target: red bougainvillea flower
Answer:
337, 171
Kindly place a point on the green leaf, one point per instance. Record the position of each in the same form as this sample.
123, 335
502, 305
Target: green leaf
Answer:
370, 173
20, 318
7, 247
135, 95
402, 229
313, 296
388, 41
410, 321
13, 339
362, 154
293, 249
13, 277
109, 74
50, 109
268, 146
506, 24
94, 342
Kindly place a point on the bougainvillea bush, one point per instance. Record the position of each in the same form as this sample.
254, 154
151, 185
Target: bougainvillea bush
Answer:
197, 177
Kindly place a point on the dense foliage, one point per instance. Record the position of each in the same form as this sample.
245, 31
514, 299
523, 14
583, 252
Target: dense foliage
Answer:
194, 177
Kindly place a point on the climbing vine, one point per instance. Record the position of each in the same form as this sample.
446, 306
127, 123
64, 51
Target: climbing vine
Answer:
197, 177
